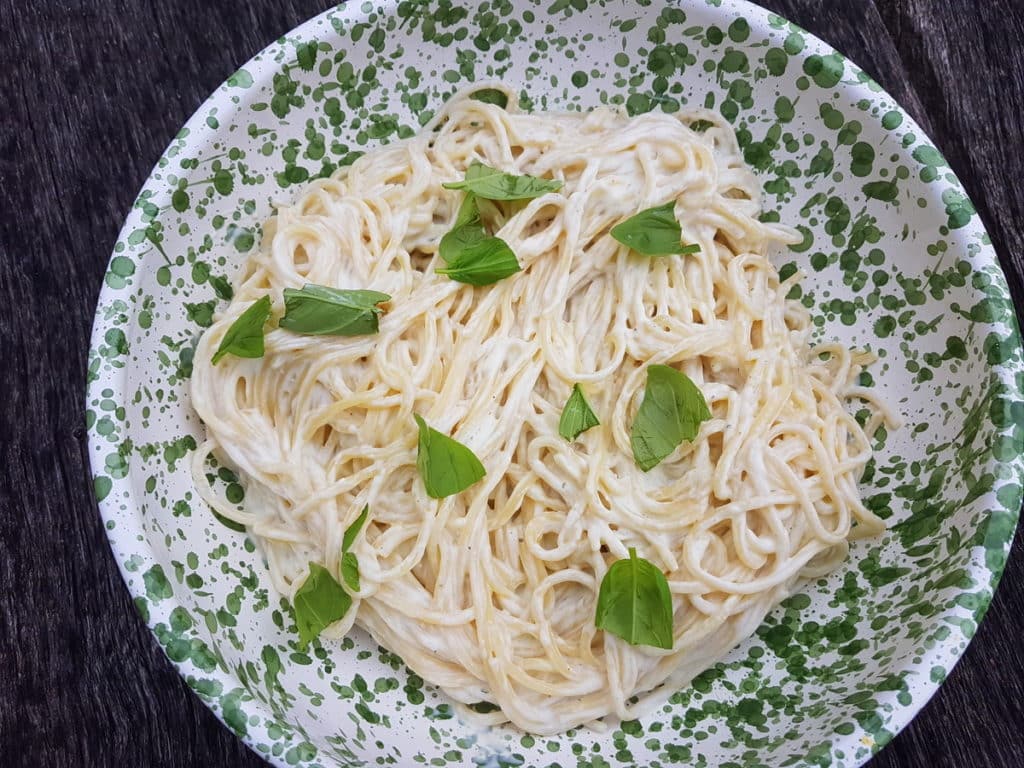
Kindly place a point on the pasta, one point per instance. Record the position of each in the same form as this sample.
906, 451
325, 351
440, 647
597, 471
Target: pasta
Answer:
490, 593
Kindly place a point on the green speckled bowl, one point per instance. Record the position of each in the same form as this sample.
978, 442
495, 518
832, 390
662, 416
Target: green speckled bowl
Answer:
897, 261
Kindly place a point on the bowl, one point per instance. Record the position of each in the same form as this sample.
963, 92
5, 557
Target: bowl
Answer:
897, 262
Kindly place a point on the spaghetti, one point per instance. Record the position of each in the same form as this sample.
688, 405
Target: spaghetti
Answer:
490, 594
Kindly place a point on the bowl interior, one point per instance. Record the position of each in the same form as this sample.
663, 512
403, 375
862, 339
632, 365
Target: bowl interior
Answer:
896, 262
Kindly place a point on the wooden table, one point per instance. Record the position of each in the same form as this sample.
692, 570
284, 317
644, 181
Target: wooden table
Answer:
91, 91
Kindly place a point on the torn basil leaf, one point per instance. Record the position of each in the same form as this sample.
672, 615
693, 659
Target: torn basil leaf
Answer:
353, 530
321, 311
473, 256
245, 336
350, 571
634, 603
492, 184
349, 566
318, 603
672, 411
482, 262
654, 232
577, 415
446, 465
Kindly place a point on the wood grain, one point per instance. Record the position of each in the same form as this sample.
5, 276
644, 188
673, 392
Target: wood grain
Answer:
90, 94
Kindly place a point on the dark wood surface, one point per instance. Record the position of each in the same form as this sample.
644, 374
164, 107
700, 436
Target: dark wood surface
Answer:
91, 91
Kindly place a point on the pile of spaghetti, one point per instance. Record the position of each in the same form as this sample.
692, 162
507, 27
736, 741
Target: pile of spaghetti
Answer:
490, 593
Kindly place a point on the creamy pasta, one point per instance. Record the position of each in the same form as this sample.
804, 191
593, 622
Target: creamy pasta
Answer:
490, 593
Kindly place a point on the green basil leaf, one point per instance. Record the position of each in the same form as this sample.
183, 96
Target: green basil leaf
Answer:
460, 239
469, 211
318, 603
353, 530
467, 232
672, 411
654, 232
321, 311
350, 571
473, 256
491, 96
634, 603
492, 184
349, 562
446, 465
245, 336
577, 416
482, 262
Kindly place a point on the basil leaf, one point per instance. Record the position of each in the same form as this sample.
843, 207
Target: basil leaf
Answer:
245, 336
671, 411
577, 416
350, 571
460, 239
490, 96
492, 184
468, 231
321, 311
349, 562
446, 465
473, 256
482, 263
469, 211
634, 603
318, 603
654, 232
353, 530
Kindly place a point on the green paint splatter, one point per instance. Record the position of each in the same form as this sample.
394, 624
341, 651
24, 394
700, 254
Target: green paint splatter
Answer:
157, 586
